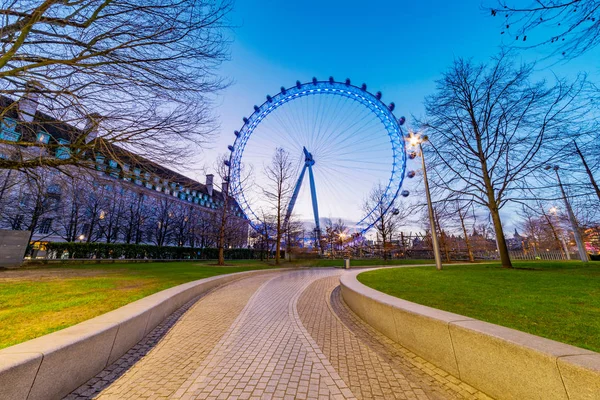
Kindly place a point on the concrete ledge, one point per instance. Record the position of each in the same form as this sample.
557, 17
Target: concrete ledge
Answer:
52, 366
502, 362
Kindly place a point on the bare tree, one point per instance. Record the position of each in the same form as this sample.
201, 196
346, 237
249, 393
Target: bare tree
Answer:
462, 212
163, 221
137, 74
223, 171
32, 204
492, 126
387, 221
277, 191
571, 27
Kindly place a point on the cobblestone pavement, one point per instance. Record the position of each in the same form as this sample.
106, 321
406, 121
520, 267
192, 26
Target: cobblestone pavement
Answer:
278, 335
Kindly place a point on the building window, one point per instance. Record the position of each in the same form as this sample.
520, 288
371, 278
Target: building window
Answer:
54, 188
51, 202
46, 226
25, 200
8, 130
63, 152
43, 137
113, 164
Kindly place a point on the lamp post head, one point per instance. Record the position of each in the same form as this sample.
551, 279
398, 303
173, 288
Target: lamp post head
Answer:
414, 139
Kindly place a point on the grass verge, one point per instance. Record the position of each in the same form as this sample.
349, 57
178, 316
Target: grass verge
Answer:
556, 300
37, 301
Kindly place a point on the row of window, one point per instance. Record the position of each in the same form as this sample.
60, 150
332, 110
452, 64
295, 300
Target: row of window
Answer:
8, 131
160, 185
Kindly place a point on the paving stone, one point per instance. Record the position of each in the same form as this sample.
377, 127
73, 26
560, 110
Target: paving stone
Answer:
281, 335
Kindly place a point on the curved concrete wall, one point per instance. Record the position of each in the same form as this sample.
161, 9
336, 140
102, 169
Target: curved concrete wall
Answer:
502, 362
52, 366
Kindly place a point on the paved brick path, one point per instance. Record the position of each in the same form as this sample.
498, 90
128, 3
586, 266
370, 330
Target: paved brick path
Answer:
278, 335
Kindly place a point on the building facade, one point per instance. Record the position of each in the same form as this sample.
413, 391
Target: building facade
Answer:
116, 197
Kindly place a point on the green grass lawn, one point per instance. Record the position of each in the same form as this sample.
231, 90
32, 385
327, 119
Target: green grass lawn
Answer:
356, 262
37, 301
556, 300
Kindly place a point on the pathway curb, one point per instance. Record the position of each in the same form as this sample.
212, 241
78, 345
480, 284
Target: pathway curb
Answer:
502, 362
53, 365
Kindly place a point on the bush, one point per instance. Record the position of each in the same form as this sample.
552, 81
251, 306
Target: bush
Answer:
145, 251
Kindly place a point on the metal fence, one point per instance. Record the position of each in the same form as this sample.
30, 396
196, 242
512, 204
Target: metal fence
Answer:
541, 255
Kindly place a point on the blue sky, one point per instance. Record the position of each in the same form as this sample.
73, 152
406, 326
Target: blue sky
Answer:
397, 47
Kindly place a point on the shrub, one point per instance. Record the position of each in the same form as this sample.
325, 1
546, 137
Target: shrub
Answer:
145, 251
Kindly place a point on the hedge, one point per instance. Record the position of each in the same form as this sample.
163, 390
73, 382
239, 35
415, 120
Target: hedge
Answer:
141, 251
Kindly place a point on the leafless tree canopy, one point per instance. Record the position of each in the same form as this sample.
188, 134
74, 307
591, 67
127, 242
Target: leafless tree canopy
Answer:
571, 27
491, 128
387, 222
278, 190
143, 70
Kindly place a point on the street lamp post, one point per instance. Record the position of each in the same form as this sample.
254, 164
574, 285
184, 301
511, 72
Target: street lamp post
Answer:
578, 239
417, 140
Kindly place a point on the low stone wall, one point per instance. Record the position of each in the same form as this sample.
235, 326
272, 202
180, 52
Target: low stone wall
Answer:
52, 366
502, 362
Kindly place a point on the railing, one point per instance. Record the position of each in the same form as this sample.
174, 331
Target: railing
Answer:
541, 255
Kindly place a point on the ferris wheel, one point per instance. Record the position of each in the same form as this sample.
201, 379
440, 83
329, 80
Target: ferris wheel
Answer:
346, 138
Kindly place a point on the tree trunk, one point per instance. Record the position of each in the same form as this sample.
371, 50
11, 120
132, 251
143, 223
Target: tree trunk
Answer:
221, 260
495, 213
554, 233
442, 237
278, 239
502, 247
383, 237
467, 241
